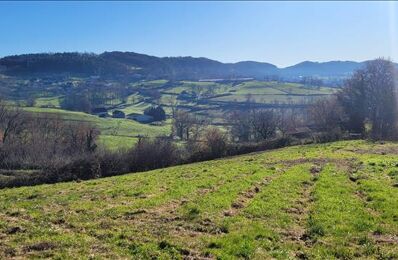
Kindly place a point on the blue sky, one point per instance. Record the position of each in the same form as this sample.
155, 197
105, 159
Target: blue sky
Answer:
282, 33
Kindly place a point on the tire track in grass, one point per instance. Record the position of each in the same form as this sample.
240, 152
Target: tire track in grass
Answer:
203, 213
169, 210
299, 212
55, 236
118, 218
256, 231
191, 226
245, 197
171, 219
338, 222
379, 195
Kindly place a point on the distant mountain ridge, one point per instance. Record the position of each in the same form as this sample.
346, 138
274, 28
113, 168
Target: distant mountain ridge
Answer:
310, 68
142, 66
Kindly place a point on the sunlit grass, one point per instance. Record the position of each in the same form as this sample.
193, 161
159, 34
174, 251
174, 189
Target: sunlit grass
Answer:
324, 201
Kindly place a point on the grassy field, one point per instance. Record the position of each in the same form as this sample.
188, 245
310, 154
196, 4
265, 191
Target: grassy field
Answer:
326, 201
268, 99
270, 92
262, 92
49, 102
150, 84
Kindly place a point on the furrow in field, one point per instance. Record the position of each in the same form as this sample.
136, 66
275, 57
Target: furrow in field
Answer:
245, 197
180, 215
299, 212
255, 231
377, 190
96, 218
337, 217
198, 217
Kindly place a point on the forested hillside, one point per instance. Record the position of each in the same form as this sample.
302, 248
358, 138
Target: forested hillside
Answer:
132, 65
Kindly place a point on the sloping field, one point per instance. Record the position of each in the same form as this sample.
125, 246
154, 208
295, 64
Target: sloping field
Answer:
337, 200
115, 133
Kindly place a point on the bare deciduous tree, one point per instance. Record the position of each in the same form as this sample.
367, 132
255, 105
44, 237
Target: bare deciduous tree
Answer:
11, 121
326, 113
287, 120
263, 123
253, 124
216, 142
186, 125
240, 126
172, 102
371, 94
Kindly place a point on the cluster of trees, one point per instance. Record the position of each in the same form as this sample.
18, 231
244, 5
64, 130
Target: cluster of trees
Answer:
311, 81
72, 62
50, 149
101, 94
75, 101
187, 126
88, 96
157, 112
28, 141
263, 124
366, 105
38, 149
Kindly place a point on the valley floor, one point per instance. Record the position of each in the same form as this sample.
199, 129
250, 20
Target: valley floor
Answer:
337, 200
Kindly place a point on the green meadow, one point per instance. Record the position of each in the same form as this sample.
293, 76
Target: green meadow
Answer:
324, 201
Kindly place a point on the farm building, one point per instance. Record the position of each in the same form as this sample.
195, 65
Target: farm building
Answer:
144, 119
118, 114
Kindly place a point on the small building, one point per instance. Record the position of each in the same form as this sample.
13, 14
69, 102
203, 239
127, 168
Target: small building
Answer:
118, 114
144, 119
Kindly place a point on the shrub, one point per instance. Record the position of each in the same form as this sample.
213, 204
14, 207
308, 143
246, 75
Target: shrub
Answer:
113, 163
212, 145
150, 154
157, 112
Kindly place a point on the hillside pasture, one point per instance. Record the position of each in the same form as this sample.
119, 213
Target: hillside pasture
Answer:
324, 201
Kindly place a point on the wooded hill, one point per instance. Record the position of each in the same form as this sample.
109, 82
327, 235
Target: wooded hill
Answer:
132, 65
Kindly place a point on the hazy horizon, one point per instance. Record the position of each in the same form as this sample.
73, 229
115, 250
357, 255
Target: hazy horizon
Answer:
280, 33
